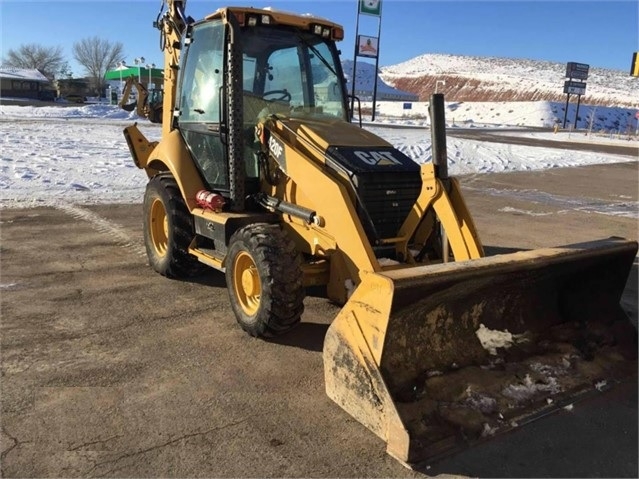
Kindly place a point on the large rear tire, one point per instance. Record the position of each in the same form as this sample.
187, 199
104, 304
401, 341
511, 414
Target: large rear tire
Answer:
264, 279
168, 230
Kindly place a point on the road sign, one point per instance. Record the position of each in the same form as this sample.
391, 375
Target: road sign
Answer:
575, 87
578, 71
370, 7
367, 46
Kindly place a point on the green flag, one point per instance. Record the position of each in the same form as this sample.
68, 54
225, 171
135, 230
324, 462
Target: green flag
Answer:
370, 7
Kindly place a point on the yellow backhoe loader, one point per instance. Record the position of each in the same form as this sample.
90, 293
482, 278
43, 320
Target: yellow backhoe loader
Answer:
148, 105
260, 174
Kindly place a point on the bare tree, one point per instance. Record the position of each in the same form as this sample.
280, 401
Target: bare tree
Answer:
64, 71
97, 56
48, 60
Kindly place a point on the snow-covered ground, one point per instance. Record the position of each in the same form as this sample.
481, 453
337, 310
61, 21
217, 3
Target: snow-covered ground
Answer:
79, 155
543, 114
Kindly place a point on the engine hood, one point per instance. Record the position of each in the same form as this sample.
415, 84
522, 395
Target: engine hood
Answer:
333, 133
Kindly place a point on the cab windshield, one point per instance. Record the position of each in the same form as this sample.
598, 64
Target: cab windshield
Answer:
290, 72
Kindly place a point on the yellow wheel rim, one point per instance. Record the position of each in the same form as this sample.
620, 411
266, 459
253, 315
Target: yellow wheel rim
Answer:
159, 222
246, 283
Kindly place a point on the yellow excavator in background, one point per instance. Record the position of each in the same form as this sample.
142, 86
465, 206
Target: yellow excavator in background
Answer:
148, 104
260, 174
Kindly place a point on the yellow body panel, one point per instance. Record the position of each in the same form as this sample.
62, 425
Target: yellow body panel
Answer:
170, 154
325, 133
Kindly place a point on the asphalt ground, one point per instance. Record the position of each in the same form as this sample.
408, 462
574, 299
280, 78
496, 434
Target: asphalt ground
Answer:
109, 369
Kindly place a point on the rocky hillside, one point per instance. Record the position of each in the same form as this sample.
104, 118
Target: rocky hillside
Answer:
466, 78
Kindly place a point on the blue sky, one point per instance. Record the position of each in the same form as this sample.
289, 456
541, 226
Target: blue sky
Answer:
601, 33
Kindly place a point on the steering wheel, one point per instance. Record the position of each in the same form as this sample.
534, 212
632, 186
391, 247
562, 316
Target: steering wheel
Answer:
284, 95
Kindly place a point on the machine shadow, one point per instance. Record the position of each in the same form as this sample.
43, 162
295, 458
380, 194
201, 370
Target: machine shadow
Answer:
210, 277
308, 336
495, 250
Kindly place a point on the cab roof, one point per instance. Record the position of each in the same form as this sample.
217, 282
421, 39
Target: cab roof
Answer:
277, 17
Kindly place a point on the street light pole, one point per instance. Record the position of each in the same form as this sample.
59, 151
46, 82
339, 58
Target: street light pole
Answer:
150, 67
121, 65
139, 62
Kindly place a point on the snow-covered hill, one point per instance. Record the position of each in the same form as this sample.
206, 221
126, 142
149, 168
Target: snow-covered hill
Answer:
467, 78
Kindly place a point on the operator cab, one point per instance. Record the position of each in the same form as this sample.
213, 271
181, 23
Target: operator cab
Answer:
289, 70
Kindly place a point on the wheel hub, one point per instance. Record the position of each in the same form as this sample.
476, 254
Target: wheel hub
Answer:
247, 284
159, 227
250, 282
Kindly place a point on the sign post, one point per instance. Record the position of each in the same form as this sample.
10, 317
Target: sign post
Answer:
575, 71
367, 46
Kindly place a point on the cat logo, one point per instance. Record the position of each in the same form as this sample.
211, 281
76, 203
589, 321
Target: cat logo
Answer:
377, 158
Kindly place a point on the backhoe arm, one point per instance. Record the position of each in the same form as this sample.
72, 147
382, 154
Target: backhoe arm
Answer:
172, 24
125, 93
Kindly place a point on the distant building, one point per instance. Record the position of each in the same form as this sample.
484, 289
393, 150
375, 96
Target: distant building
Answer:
366, 75
24, 84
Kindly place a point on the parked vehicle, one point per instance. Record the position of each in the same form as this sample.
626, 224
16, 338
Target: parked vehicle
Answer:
73, 98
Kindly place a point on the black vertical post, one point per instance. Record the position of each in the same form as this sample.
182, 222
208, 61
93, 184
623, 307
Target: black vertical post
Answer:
566, 110
379, 32
437, 112
577, 112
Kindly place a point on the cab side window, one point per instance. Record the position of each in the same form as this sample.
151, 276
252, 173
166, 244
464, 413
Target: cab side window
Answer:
203, 75
285, 75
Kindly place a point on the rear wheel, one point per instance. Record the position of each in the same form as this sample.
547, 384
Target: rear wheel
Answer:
264, 279
168, 229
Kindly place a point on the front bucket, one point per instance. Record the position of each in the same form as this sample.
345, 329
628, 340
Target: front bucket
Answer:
434, 358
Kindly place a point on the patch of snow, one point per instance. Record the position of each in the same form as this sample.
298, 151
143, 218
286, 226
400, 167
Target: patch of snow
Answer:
387, 262
529, 388
510, 209
492, 339
488, 430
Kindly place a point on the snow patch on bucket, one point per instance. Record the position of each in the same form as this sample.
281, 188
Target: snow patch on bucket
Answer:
491, 339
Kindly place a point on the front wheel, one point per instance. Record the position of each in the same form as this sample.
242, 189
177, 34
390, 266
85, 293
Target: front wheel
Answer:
264, 279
